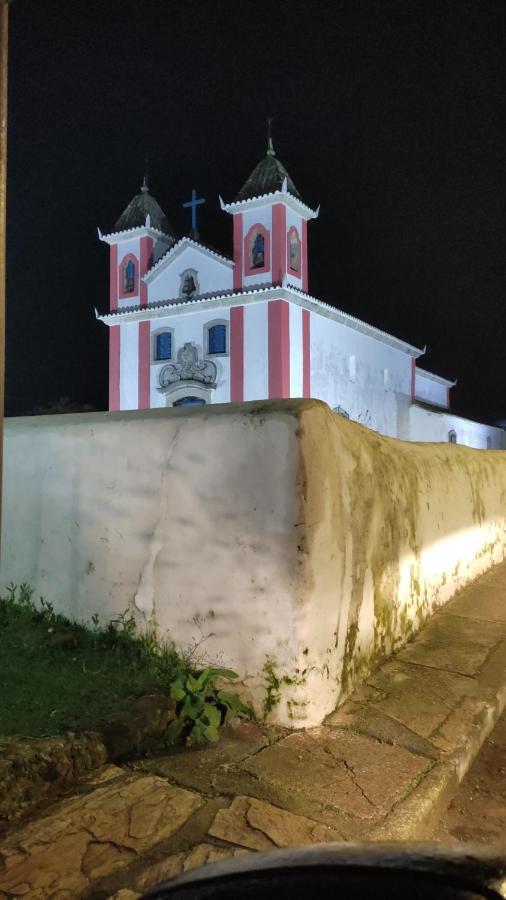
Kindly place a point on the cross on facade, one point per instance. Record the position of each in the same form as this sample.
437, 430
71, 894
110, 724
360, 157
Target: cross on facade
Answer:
193, 203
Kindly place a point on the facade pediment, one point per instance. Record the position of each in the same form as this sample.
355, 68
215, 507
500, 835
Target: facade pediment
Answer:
188, 269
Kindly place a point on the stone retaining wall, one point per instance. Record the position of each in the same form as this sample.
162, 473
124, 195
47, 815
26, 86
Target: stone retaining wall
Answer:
287, 543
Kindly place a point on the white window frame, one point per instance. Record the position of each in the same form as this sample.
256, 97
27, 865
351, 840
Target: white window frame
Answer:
154, 335
209, 325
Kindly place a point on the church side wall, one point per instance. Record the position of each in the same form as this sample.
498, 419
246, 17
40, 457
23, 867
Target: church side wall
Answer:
129, 365
358, 373
287, 538
432, 425
429, 390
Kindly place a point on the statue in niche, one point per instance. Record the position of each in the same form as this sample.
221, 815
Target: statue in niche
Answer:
258, 251
294, 251
129, 278
189, 284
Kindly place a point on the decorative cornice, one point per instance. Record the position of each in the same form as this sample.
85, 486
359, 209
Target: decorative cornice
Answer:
178, 247
254, 294
140, 230
284, 196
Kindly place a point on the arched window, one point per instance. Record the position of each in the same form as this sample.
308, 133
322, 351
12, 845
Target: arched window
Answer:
163, 345
257, 251
129, 277
189, 401
217, 339
452, 437
293, 250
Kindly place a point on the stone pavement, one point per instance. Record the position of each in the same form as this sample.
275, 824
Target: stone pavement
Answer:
384, 765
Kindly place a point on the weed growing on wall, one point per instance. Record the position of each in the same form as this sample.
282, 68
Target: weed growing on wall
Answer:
273, 685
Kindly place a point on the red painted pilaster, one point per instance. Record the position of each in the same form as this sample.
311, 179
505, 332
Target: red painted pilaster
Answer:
114, 366
238, 260
237, 354
278, 242
279, 348
448, 397
306, 353
144, 365
145, 262
305, 270
113, 277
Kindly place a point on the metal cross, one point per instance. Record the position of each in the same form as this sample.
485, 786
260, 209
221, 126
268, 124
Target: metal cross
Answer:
193, 203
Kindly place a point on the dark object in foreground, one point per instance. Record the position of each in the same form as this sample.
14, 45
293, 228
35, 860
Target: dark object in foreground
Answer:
379, 871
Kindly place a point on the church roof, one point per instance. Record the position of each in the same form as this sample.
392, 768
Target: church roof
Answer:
267, 178
140, 207
260, 292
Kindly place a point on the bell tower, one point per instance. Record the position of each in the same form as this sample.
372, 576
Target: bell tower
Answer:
270, 228
137, 240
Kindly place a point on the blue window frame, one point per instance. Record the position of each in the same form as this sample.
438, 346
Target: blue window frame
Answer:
217, 339
164, 345
190, 401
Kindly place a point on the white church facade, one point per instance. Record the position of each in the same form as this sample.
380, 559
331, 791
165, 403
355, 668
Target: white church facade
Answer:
188, 325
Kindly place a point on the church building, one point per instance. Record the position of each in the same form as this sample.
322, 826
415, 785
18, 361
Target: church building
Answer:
188, 325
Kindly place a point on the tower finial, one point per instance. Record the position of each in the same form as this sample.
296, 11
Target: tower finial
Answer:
145, 186
270, 148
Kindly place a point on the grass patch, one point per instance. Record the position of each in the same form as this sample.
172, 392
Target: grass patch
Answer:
56, 674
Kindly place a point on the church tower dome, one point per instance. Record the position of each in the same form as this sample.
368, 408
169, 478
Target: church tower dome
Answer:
270, 227
140, 207
267, 177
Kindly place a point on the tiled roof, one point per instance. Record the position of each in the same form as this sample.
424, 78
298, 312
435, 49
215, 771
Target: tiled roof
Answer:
141, 206
266, 178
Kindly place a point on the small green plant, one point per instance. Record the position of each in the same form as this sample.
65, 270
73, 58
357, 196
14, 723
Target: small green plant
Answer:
202, 707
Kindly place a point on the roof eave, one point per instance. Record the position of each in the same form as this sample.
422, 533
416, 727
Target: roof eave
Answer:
437, 378
112, 237
286, 292
254, 202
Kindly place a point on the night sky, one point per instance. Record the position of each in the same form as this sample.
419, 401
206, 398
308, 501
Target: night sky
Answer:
391, 115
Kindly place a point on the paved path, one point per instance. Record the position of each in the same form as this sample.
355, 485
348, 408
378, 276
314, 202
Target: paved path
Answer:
477, 814
385, 765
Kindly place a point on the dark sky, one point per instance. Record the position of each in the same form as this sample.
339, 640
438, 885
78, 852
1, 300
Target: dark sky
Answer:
392, 115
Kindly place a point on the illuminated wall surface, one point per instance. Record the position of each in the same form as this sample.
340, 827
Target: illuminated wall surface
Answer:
278, 531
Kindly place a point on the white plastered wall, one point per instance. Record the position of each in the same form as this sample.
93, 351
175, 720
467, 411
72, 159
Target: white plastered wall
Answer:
256, 351
429, 390
433, 425
190, 326
213, 274
296, 362
129, 365
260, 526
364, 376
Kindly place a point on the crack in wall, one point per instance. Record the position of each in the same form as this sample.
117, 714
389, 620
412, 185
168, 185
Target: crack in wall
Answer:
144, 598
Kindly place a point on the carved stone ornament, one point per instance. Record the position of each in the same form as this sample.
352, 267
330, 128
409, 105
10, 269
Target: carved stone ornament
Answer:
188, 368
